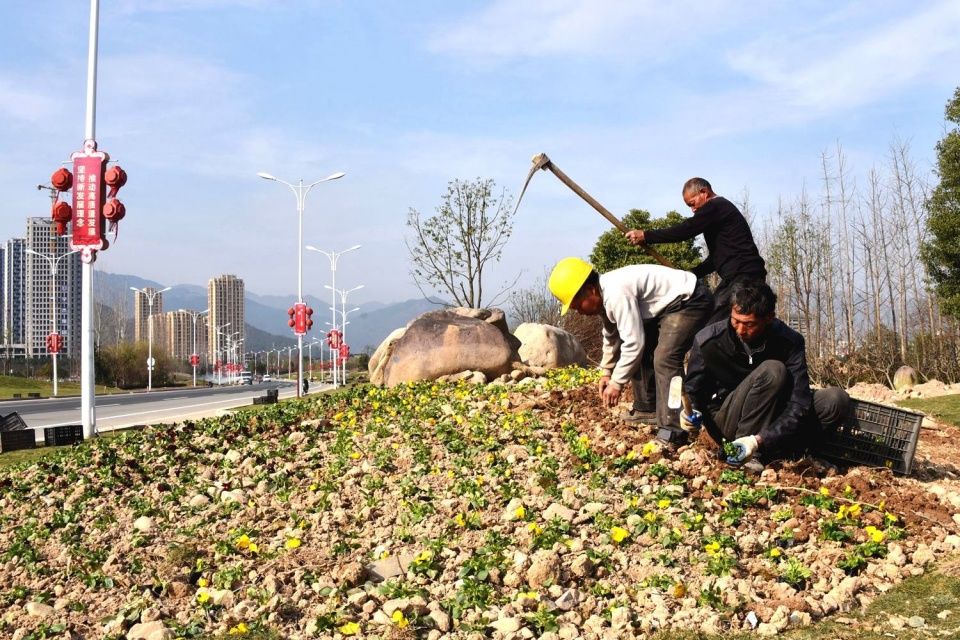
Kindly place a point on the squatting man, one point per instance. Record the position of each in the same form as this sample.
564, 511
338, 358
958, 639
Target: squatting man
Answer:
747, 381
650, 315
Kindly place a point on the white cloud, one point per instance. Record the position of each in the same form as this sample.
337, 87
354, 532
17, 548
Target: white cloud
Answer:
604, 28
849, 64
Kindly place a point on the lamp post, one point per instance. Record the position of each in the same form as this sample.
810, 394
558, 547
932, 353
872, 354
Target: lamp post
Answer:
333, 256
300, 192
216, 352
54, 262
150, 296
195, 315
230, 356
343, 318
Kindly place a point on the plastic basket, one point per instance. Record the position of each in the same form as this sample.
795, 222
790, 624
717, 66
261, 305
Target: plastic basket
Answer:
875, 435
12, 422
63, 435
15, 440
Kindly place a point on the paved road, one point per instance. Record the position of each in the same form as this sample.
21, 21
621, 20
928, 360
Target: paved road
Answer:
125, 410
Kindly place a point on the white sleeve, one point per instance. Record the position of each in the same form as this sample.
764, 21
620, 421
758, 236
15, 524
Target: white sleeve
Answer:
626, 315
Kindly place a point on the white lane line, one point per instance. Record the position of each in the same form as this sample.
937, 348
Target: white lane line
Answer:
141, 413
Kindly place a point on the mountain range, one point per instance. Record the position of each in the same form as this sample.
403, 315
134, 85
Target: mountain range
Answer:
266, 315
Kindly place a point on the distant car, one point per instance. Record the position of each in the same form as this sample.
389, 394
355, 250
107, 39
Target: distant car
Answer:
267, 378
246, 377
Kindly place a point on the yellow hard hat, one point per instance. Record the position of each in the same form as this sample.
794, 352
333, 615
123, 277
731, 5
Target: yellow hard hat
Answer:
566, 279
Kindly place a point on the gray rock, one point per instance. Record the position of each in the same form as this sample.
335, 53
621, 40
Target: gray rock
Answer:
557, 510
143, 524
441, 619
916, 622
506, 625
446, 342
39, 610
543, 345
149, 631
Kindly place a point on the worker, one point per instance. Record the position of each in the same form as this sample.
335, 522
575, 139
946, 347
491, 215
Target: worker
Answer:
733, 253
747, 381
626, 299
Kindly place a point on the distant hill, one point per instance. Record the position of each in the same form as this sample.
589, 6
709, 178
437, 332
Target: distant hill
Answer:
266, 315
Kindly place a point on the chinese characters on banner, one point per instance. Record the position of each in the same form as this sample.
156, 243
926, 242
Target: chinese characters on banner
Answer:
89, 195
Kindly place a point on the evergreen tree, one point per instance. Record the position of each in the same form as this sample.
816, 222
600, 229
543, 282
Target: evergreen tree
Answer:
613, 251
941, 253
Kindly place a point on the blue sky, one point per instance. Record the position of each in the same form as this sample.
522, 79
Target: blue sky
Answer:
628, 98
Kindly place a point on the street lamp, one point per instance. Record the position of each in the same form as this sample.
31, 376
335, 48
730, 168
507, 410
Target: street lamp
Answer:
194, 356
216, 352
300, 192
333, 256
343, 318
54, 263
150, 296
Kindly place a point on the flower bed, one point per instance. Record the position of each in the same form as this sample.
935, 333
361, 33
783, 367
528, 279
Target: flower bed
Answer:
435, 509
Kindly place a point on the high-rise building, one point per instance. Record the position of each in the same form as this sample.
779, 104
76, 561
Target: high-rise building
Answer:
225, 300
182, 332
141, 315
52, 277
13, 298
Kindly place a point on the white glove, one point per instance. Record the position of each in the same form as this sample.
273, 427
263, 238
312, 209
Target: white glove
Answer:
746, 447
691, 422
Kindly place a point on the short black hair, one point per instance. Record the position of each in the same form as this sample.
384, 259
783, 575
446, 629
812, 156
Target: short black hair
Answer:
695, 184
753, 297
592, 280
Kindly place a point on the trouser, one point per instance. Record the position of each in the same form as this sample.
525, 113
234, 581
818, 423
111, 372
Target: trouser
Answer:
667, 338
762, 396
721, 297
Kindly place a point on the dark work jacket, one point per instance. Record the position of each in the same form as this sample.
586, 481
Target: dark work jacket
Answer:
719, 363
727, 234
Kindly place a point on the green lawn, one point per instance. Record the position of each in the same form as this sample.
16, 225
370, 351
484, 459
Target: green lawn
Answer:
944, 408
9, 385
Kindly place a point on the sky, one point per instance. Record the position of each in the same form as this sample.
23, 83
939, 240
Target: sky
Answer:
628, 98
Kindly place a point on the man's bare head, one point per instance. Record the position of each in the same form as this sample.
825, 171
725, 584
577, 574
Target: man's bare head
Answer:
696, 192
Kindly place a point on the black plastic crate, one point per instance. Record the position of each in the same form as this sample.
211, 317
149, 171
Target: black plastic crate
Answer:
875, 435
12, 422
15, 440
63, 435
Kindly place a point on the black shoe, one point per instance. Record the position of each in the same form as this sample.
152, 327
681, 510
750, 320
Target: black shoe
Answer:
637, 416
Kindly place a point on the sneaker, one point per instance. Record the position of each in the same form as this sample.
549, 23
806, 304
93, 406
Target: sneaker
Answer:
637, 416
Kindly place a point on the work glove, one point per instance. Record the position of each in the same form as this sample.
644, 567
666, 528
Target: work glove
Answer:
746, 447
691, 422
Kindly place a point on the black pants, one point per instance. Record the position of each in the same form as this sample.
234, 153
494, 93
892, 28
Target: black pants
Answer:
666, 340
763, 395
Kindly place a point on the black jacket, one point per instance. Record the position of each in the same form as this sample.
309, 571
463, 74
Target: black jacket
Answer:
719, 363
727, 234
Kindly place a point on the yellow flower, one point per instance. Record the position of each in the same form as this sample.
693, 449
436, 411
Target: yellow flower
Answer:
650, 516
528, 595
712, 548
384, 555
253, 548
631, 454
875, 534
634, 501
292, 543
424, 556
678, 590
824, 491
854, 511
520, 512
584, 440
619, 534
534, 528
649, 449
663, 503
889, 518
355, 455
400, 620
238, 630
460, 520
450, 473
480, 480
203, 596
775, 553
349, 628
202, 582
242, 542
313, 487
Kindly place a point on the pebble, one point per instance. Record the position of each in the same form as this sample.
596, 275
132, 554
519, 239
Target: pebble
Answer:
916, 622
199, 500
39, 610
506, 625
143, 524
557, 510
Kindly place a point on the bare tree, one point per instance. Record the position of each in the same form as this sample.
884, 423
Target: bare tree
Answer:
451, 250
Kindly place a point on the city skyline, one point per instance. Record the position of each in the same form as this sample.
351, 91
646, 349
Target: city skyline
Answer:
625, 97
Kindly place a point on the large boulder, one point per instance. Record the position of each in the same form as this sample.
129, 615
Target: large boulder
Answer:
905, 378
440, 343
379, 358
543, 345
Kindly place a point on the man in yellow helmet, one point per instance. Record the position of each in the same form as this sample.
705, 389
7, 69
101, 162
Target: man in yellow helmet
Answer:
632, 302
